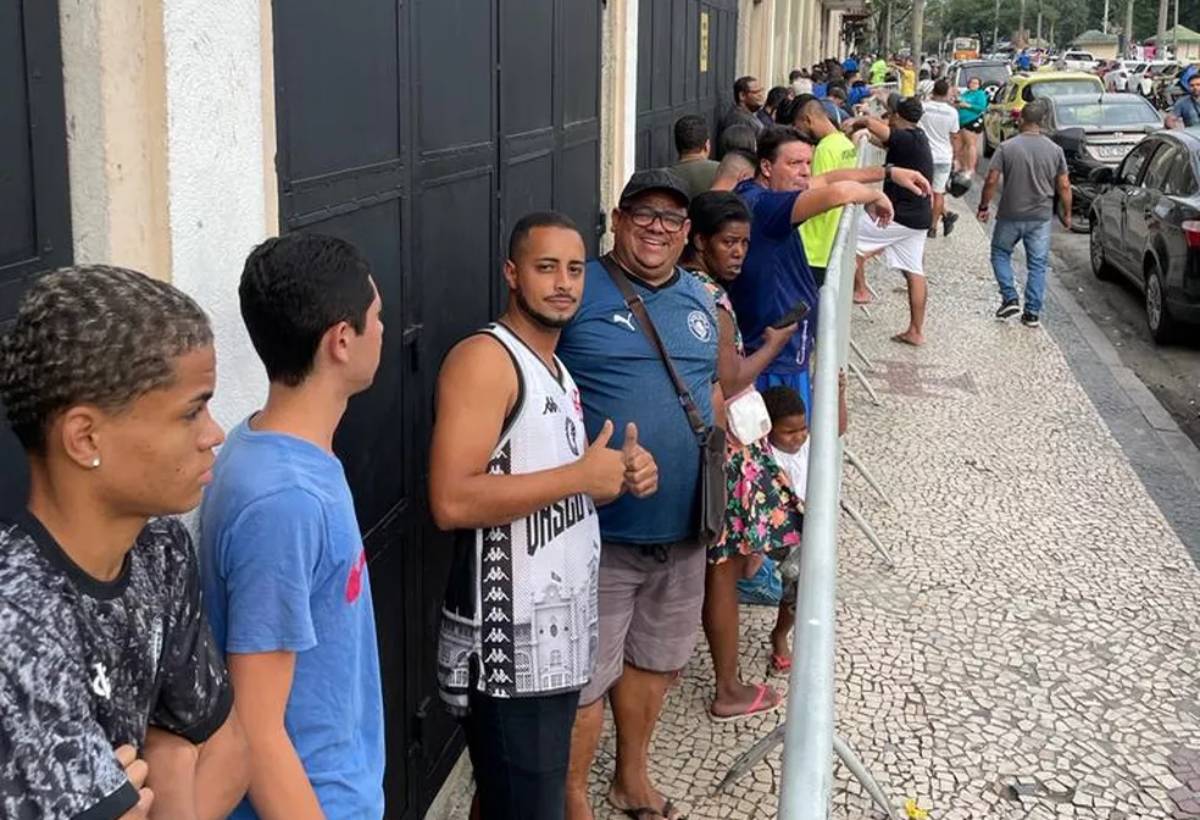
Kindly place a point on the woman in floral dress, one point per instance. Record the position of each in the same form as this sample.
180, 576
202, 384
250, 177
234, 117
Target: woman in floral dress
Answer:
762, 513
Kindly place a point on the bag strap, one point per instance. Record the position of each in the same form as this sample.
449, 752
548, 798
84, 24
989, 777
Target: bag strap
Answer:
637, 306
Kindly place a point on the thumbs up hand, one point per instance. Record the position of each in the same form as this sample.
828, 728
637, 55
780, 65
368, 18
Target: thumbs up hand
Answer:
602, 469
641, 471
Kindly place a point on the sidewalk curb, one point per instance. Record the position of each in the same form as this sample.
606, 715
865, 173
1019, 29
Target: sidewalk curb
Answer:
1160, 422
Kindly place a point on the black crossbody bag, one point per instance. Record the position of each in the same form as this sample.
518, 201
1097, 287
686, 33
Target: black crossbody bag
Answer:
711, 440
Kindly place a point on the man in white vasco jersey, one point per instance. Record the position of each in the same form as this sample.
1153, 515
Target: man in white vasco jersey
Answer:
512, 473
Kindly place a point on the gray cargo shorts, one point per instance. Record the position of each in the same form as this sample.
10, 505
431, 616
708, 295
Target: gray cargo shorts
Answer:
650, 599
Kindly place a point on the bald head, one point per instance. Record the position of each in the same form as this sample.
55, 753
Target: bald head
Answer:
737, 165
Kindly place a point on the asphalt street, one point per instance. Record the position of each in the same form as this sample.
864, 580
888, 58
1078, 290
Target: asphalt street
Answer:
1170, 372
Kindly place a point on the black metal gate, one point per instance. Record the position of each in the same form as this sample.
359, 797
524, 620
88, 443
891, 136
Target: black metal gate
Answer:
420, 131
686, 51
35, 208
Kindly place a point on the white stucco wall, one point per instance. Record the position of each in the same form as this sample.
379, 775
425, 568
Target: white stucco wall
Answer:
215, 175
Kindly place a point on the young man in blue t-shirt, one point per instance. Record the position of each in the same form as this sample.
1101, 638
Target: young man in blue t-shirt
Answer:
282, 560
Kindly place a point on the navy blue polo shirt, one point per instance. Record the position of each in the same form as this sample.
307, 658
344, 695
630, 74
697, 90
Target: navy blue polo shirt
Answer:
621, 377
775, 277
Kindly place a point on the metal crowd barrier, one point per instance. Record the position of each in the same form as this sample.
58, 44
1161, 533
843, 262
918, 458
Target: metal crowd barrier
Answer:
809, 737
808, 731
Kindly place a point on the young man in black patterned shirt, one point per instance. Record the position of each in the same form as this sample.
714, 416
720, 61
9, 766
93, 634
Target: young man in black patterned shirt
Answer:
105, 655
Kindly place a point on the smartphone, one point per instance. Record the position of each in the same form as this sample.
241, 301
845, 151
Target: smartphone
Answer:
791, 317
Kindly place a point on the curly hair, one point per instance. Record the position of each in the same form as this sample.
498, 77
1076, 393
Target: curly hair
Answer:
92, 334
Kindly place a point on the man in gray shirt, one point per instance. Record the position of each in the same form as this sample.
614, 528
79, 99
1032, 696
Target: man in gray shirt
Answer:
1033, 168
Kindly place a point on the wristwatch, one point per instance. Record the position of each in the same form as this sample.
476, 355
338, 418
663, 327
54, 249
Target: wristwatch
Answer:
887, 171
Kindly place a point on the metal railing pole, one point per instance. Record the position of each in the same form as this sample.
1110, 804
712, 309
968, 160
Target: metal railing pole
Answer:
808, 739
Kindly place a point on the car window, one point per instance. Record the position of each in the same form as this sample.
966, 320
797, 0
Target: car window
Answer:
1159, 169
1012, 92
1135, 161
1053, 88
1180, 179
1109, 114
986, 74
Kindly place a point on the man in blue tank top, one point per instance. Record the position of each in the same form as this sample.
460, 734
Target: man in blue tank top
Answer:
652, 565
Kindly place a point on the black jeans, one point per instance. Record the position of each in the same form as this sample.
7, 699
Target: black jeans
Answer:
520, 750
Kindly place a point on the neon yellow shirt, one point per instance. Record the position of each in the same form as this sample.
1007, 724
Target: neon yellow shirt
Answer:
833, 152
908, 82
878, 71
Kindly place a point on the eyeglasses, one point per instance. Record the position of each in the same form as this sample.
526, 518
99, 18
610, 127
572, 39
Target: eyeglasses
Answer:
643, 217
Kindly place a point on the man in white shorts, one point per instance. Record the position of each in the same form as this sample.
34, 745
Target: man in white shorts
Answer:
903, 241
940, 124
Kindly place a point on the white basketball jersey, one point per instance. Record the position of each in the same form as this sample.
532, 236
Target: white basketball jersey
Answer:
521, 602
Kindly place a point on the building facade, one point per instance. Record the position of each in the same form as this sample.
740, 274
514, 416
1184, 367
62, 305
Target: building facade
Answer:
171, 136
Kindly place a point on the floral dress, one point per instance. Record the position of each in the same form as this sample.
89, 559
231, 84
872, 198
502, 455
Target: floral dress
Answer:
762, 513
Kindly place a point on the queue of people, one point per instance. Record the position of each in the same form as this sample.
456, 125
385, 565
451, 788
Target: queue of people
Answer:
589, 447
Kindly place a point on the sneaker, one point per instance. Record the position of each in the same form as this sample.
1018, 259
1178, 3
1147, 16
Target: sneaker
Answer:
1030, 319
1008, 309
931, 233
948, 221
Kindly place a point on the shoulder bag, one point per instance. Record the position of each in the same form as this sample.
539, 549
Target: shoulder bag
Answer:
710, 440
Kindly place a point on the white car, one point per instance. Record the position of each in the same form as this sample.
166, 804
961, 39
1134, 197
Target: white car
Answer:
1077, 61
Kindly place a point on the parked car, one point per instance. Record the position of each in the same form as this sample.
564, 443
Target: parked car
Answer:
1076, 61
992, 74
1096, 131
1002, 117
1145, 227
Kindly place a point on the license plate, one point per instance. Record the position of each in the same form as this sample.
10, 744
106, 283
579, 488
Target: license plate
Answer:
1112, 151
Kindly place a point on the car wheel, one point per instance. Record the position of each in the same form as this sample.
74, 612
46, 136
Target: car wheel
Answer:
1162, 326
1100, 266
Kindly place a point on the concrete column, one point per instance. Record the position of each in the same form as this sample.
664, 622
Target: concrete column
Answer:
114, 89
618, 99
217, 187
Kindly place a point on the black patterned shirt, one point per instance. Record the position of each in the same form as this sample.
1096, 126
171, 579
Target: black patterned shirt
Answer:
87, 665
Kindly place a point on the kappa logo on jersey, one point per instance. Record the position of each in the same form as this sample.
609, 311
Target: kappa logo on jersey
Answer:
572, 437
100, 682
625, 320
699, 325
550, 407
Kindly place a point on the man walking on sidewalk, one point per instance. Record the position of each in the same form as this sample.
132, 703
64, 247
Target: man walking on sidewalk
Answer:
1033, 168
940, 124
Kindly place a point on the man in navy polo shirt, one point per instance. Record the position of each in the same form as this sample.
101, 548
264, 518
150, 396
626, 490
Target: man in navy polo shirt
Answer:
776, 276
651, 579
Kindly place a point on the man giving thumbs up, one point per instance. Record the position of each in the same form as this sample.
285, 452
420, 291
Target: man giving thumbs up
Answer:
512, 472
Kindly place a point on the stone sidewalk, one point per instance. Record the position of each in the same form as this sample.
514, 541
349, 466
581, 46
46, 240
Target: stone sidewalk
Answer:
1036, 651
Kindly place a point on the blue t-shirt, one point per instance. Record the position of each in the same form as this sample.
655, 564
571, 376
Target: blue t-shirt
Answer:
850, 64
284, 569
1187, 109
775, 277
820, 90
621, 377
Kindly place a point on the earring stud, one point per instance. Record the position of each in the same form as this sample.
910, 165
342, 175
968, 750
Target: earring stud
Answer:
95, 462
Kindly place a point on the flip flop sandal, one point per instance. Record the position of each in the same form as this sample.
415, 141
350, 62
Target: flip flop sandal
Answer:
756, 708
780, 664
646, 812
